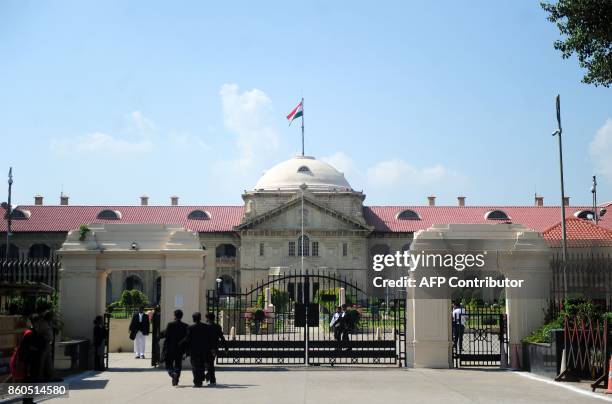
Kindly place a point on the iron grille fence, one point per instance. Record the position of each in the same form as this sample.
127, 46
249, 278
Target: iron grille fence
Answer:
27, 271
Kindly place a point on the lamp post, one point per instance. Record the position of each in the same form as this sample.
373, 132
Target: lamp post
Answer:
219, 280
9, 211
594, 192
563, 230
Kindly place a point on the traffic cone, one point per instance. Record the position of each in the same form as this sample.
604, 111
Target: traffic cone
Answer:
609, 389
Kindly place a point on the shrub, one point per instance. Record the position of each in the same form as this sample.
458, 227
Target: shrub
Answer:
280, 298
330, 298
133, 298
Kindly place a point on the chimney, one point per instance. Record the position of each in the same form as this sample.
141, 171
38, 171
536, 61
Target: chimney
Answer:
539, 200
174, 200
461, 200
38, 200
144, 200
63, 199
432, 200
566, 201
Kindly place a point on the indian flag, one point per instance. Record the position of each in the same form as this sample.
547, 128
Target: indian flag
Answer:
296, 113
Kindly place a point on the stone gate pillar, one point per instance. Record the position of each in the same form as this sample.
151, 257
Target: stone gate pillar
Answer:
510, 250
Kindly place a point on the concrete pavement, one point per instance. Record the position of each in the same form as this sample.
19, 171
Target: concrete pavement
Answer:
130, 380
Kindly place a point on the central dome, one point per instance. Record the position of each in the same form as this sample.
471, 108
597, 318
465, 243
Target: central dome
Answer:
290, 174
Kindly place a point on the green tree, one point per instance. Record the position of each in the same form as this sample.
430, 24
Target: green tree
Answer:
587, 28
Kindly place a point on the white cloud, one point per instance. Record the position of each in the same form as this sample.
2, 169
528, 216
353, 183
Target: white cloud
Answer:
342, 163
141, 123
247, 115
99, 142
397, 172
600, 150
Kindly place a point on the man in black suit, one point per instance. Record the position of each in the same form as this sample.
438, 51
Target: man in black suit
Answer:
215, 337
197, 343
139, 328
174, 333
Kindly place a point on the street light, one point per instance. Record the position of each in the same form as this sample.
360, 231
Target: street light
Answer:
563, 230
7, 206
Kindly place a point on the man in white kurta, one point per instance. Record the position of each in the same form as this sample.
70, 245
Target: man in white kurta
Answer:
139, 329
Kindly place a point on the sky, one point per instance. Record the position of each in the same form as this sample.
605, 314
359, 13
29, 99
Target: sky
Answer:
110, 100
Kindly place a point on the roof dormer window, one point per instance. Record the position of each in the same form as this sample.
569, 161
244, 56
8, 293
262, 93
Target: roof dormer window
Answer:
198, 215
496, 215
585, 214
18, 214
408, 214
304, 170
108, 214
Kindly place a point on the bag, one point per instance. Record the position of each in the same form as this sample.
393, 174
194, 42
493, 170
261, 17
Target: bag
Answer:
17, 367
133, 335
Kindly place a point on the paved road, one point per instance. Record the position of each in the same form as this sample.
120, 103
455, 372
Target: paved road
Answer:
131, 381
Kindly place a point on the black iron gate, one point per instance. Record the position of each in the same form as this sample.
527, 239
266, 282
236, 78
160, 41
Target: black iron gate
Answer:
107, 318
480, 338
155, 331
286, 320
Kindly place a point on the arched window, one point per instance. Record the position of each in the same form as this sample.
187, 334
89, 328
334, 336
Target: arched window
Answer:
304, 170
134, 282
496, 215
19, 214
225, 251
408, 215
227, 285
108, 214
39, 251
585, 214
13, 251
198, 215
303, 246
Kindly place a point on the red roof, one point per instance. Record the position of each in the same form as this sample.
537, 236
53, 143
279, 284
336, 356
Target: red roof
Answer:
64, 218
538, 218
51, 218
580, 233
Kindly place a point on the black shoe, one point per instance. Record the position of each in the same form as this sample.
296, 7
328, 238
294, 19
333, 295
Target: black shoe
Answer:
137, 357
212, 384
142, 357
196, 385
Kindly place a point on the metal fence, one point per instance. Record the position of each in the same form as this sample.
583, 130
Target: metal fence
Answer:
30, 271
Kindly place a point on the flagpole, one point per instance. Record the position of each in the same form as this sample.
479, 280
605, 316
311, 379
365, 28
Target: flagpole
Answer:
302, 126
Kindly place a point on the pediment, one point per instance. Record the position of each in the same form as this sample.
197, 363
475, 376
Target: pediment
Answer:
317, 217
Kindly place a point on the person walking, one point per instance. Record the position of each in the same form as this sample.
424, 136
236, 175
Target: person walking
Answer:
100, 335
215, 337
197, 344
175, 332
346, 325
336, 325
458, 320
139, 329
